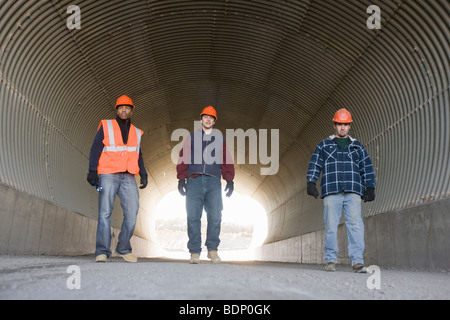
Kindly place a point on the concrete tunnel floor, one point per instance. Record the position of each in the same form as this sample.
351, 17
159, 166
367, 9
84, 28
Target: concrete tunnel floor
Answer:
49, 277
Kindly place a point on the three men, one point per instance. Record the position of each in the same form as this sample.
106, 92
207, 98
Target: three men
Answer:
347, 177
343, 162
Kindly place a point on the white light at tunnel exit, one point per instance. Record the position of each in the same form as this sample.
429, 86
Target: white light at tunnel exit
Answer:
238, 210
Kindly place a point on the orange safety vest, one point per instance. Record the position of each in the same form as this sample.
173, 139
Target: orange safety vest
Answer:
116, 156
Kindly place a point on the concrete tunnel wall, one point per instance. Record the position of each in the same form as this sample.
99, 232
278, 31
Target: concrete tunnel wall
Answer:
263, 65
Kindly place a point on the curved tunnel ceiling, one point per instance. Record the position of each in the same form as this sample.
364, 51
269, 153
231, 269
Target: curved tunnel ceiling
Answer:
284, 65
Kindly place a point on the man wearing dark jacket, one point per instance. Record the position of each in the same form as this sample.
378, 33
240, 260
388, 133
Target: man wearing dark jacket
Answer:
114, 160
203, 160
347, 177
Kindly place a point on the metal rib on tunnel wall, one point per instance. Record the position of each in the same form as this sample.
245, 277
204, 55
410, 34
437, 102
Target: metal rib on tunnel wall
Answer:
263, 65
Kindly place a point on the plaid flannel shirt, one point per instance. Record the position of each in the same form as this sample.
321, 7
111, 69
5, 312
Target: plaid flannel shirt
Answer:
348, 170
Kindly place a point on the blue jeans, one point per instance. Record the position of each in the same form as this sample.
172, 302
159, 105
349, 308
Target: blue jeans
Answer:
203, 192
124, 185
333, 205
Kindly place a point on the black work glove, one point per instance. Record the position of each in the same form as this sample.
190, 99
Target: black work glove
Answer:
182, 187
312, 190
369, 194
230, 188
144, 181
92, 177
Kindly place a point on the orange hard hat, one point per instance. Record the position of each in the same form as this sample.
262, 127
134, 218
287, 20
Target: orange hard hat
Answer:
124, 101
342, 116
210, 111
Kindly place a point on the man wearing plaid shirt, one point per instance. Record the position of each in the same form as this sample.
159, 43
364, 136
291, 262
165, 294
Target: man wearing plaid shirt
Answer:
347, 177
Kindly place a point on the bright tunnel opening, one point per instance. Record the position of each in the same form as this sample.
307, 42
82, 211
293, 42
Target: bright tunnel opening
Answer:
243, 229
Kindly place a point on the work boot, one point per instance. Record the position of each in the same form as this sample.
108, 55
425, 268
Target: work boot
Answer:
195, 258
331, 266
359, 268
128, 257
101, 258
214, 257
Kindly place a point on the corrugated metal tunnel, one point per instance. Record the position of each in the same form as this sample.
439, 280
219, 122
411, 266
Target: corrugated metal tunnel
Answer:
286, 65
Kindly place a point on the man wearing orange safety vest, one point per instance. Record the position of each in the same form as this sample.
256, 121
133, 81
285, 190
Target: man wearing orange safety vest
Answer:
115, 158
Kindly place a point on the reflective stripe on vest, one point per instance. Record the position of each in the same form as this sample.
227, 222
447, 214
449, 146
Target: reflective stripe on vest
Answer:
112, 143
